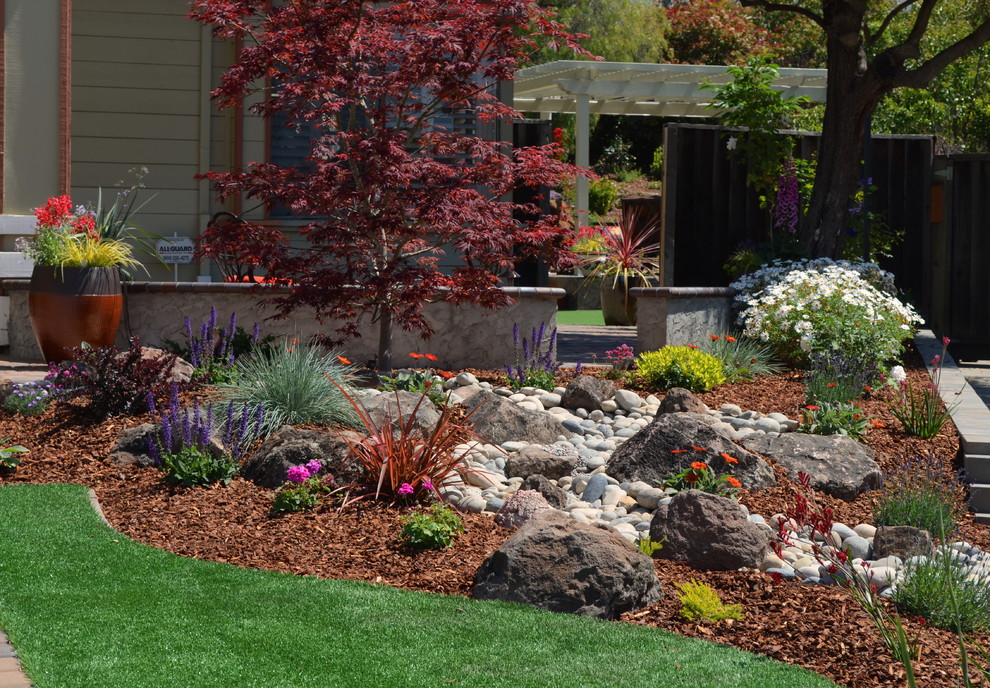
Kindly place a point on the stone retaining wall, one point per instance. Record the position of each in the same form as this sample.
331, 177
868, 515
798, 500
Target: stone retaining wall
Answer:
680, 315
465, 336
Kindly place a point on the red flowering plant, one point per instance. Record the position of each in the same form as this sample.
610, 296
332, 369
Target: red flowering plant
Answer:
68, 236
834, 418
418, 381
699, 475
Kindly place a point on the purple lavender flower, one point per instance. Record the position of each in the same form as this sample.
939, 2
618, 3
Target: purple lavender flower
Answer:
515, 335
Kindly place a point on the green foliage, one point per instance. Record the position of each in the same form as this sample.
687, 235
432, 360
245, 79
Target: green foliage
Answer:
699, 602
602, 195
295, 385
628, 176
751, 257
883, 237
754, 106
417, 382
648, 545
838, 376
7, 459
656, 167
742, 358
194, 465
834, 418
680, 366
291, 498
617, 157
922, 493
946, 591
29, 399
432, 528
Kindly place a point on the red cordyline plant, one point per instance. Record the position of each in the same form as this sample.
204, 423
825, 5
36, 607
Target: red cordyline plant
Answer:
631, 251
388, 194
406, 464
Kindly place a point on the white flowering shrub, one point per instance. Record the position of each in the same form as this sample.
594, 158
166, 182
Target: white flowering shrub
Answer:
825, 305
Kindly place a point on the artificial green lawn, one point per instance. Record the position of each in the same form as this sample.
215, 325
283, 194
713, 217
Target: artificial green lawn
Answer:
580, 318
85, 606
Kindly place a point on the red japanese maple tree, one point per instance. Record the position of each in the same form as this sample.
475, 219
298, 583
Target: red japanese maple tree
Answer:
388, 193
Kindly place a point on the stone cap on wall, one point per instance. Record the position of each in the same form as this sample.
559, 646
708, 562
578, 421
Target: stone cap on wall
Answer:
681, 292
140, 287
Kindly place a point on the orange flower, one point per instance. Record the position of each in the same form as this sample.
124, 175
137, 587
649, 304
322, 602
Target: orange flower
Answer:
343, 360
416, 355
699, 466
729, 339
729, 459
812, 407
697, 448
446, 375
732, 481
867, 388
295, 341
691, 346
691, 478
431, 357
677, 451
876, 423
714, 337
833, 384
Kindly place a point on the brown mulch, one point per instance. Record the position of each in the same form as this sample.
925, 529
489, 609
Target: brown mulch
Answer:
820, 628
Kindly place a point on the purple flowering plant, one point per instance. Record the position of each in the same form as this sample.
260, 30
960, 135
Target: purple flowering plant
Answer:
184, 445
537, 366
213, 349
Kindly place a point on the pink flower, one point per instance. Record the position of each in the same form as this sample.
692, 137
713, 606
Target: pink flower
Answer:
298, 474
406, 489
427, 485
314, 467
945, 341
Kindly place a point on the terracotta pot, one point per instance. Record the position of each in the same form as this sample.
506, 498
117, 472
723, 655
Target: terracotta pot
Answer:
618, 306
70, 306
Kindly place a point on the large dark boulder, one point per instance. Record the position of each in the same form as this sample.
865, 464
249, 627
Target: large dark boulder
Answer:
555, 563
269, 465
837, 465
399, 406
665, 447
680, 400
708, 532
498, 420
555, 496
587, 392
902, 541
551, 462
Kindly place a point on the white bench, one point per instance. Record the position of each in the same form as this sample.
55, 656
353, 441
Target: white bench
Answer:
13, 264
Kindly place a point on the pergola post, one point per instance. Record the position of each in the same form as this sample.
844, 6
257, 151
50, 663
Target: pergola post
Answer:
581, 158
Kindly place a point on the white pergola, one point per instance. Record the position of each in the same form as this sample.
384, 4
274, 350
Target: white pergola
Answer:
628, 88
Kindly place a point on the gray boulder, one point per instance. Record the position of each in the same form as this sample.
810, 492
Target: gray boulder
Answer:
680, 400
523, 506
131, 448
290, 446
555, 496
708, 532
498, 420
665, 448
555, 563
901, 541
838, 466
587, 392
535, 460
398, 406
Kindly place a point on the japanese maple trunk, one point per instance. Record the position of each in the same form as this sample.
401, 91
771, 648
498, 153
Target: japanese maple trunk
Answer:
852, 94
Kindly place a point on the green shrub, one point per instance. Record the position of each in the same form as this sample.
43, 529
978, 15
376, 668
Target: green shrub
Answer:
417, 382
656, 167
699, 602
616, 157
627, 176
946, 591
680, 366
433, 528
29, 399
923, 493
294, 383
834, 418
648, 545
742, 359
602, 196
7, 459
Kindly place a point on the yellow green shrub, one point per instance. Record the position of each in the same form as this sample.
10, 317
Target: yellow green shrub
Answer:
700, 603
681, 366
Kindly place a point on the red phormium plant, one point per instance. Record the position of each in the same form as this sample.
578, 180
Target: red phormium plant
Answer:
388, 193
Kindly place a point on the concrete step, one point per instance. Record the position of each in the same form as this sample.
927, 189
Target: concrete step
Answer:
979, 498
982, 518
977, 468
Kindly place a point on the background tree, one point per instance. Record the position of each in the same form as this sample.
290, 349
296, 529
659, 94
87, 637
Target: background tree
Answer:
616, 30
389, 193
858, 77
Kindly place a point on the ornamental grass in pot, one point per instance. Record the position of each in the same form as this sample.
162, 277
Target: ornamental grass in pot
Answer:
75, 293
630, 257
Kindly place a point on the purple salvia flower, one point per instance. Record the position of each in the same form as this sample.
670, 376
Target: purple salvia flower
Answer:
577, 369
167, 433
242, 429
187, 435
228, 429
206, 428
515, 335
525, 347
538, 341
173, 403
189, 334
197, 415
256, 333
153, 451
149, 401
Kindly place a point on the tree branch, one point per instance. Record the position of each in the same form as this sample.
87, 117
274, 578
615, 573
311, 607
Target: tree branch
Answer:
784, 7
922, 75
872, 38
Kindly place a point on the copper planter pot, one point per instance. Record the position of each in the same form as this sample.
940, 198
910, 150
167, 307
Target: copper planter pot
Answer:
70, 306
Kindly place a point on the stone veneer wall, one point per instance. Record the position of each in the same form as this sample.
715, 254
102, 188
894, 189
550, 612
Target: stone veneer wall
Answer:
680, 315
464, 336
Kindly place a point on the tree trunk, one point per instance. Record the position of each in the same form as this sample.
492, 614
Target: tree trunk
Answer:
385, 342
851, 94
